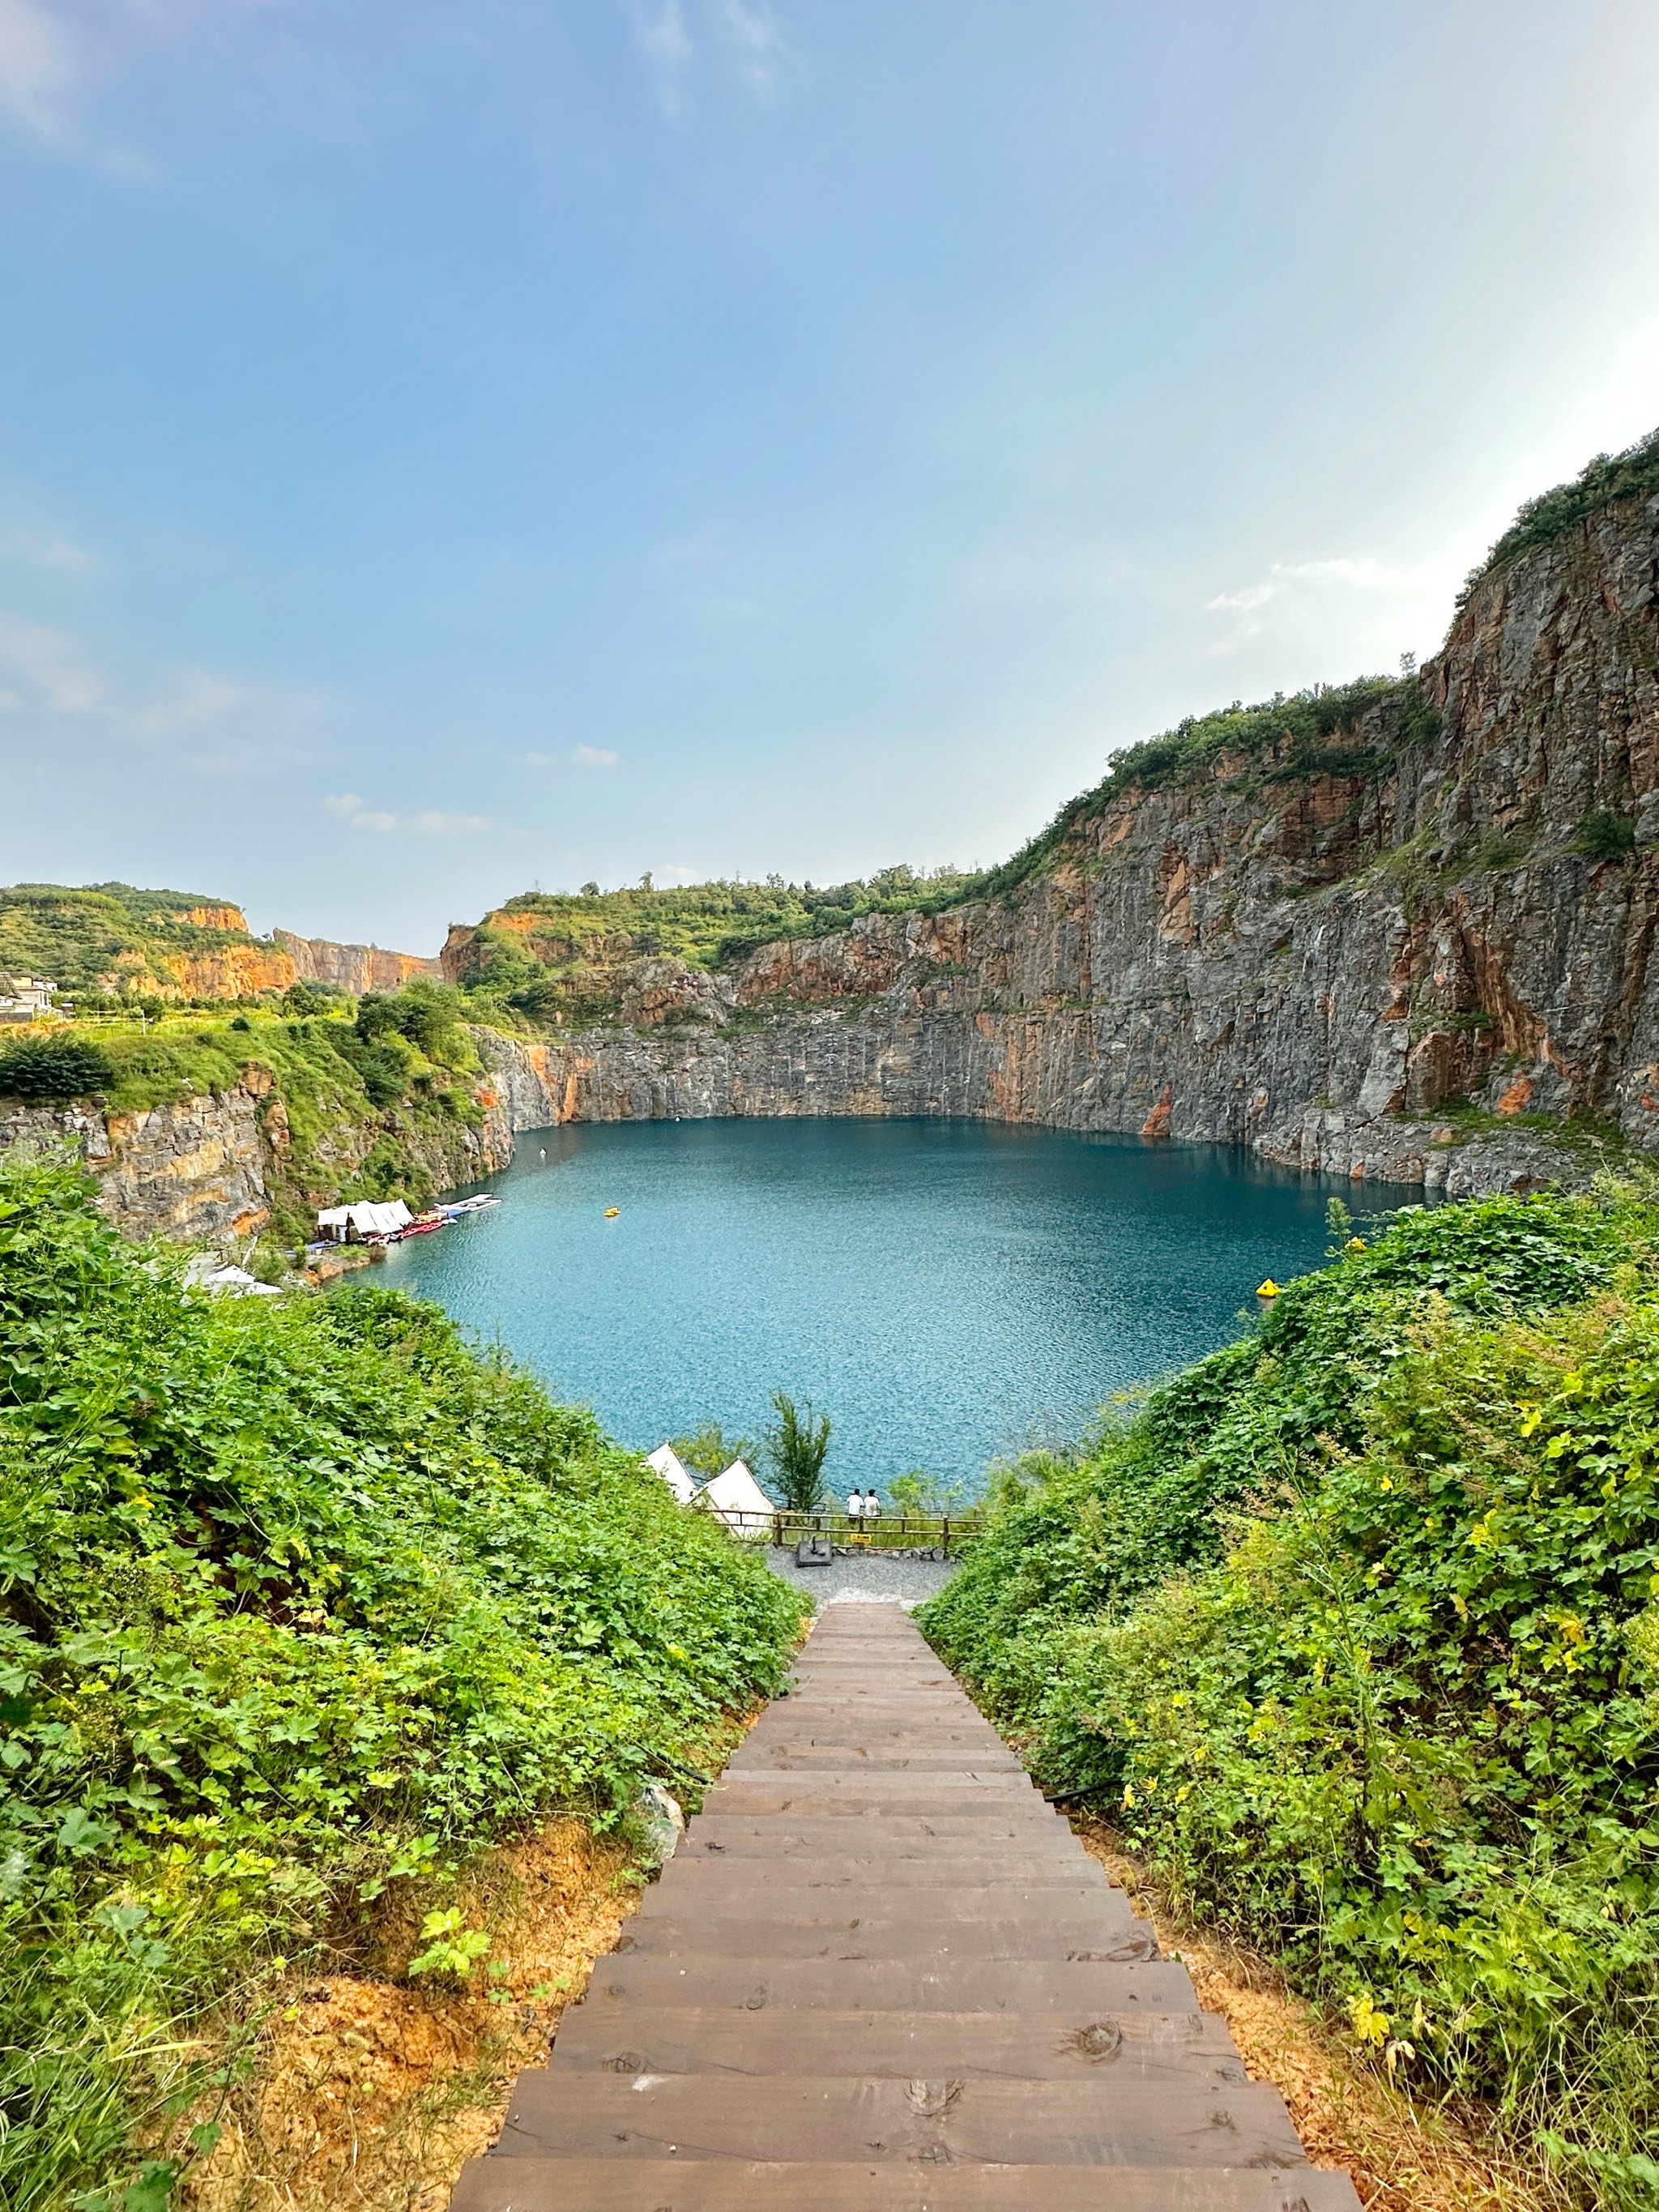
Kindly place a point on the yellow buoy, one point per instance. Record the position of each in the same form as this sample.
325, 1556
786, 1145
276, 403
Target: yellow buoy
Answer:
1267, 1289
612, 1212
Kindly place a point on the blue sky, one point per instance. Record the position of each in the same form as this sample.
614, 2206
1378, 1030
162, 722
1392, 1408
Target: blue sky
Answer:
445, 448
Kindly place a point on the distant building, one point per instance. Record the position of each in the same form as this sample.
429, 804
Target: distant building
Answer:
26, 999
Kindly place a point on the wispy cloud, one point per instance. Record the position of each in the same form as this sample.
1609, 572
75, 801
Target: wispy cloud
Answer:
430, 822
593, 756
37, 68
1290, 590
45, 549
200, 719
755, 44
742, 35
48, 667
661, 37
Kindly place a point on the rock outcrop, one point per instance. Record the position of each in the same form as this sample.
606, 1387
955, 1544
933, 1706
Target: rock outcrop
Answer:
353, 968
1323, 965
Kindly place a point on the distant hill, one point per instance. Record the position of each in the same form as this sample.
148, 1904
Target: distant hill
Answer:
118, 939
566, 955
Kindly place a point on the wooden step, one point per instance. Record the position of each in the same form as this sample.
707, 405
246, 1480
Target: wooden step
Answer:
945, 1839
945, 1905
869, 1876
1124, 2122
674, 2185
898, 2046
1101, 1937
921, 1984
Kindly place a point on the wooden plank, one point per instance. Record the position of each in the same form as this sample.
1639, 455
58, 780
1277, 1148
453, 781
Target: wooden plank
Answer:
945, 1904
673, 2184
1100, 1935
902, 2047
869, 1873
966, 1833
992, 2120
923, 1984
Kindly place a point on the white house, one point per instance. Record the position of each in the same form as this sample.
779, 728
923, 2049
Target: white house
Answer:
338, 1222
740, 1501
26, 999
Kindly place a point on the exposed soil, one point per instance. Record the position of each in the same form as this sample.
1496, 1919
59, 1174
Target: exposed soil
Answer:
1403, 2156
369, 2095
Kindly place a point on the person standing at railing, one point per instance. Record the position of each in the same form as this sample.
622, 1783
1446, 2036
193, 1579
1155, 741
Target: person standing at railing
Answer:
871, 1506
854, 1505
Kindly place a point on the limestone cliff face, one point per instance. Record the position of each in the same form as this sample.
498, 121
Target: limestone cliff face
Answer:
355, 967
1311, 964
209, 1169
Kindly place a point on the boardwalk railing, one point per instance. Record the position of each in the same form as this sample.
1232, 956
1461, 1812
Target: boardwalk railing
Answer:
881, 1532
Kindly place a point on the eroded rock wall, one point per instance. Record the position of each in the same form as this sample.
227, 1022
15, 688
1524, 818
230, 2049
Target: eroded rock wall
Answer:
1313, 965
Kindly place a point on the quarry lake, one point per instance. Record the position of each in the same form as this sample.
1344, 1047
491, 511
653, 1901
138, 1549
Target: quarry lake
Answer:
947, 1292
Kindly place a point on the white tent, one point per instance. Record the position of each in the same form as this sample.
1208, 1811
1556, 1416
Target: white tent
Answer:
667, 1461
367, 1219
740, 1501
239, 1283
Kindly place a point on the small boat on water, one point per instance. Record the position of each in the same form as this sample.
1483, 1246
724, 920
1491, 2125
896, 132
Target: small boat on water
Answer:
423, 1225
465, 1206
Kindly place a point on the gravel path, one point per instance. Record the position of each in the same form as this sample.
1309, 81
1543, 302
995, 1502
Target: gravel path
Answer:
910, 1581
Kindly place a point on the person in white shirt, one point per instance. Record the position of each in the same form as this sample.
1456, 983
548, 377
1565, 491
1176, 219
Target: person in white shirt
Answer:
854, 1505
871, 1506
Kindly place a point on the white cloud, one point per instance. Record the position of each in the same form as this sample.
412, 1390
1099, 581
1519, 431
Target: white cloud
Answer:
43, 548
37, 67
677, 879
430, 822
756, 44
660, 34
745, 32
593, 756
1407, 599
49, 665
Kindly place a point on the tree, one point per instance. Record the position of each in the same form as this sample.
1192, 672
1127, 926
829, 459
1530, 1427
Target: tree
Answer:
58, 1066
797, 1449
711, 1451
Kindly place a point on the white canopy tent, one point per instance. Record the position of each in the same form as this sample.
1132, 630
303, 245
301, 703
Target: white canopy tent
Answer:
740, 1501
667, 1462
366, 1219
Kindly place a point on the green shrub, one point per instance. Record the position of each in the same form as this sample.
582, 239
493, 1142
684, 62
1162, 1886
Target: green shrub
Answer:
57, 1066
1604, 835
1351, 1631
298, 1597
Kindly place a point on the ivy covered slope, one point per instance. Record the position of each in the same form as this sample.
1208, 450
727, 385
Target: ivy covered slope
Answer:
1351, 1629
298, 1596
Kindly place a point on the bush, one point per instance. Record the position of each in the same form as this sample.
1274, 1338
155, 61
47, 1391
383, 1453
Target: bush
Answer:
797, 1449
1351, 1630
298, 1597
1604, 835
57, 1066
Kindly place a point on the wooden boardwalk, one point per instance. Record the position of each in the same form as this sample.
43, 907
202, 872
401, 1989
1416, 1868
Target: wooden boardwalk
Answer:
882, 1975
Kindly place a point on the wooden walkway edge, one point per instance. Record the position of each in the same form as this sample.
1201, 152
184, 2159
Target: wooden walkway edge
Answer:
882, 1975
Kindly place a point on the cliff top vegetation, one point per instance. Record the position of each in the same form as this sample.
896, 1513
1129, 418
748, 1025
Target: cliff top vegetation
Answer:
556, 955
102, 937
1608, 480
300, 1600
1351, 1629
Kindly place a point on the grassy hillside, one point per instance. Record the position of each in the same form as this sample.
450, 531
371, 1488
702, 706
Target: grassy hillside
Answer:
552, 957
113, 937
1351, 1630
299, 1598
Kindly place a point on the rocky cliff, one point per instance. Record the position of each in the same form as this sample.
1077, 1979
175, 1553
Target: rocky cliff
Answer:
1381, 956
353, 968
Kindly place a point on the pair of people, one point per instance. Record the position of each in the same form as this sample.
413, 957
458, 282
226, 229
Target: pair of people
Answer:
862, 1507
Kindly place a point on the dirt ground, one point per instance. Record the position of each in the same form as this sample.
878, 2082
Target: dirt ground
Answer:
1403, 2157
370, 2095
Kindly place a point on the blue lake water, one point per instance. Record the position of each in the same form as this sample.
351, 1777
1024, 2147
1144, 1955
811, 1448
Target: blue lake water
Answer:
945, 1290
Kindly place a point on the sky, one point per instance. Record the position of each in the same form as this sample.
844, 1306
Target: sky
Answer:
451, 446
